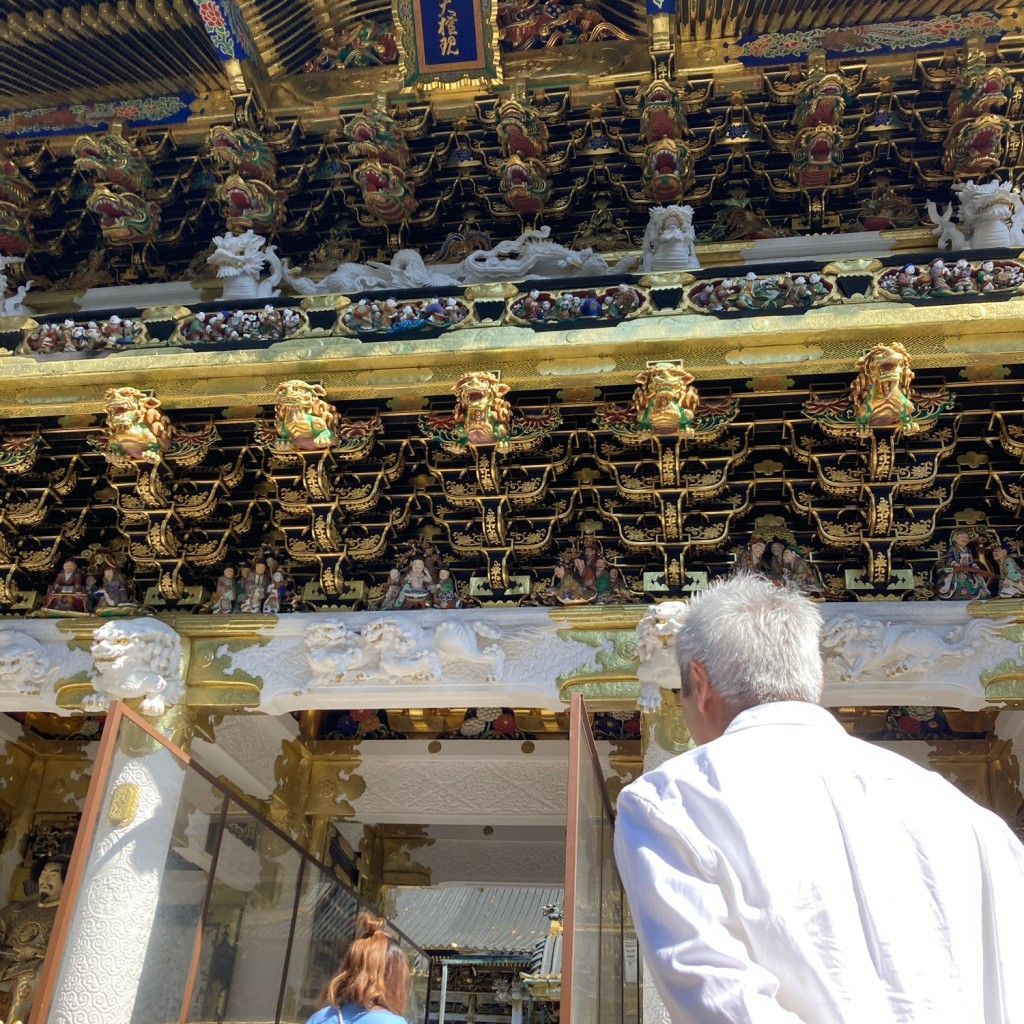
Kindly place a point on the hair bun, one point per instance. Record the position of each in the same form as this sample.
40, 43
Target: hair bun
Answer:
368, 924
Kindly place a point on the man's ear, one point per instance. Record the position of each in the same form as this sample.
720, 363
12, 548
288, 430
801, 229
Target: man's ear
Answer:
701, 685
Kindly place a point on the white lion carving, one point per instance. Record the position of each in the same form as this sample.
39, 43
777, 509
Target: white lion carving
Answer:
239, 260
396, 651
655, 643
870, 647
25, 666
136, 658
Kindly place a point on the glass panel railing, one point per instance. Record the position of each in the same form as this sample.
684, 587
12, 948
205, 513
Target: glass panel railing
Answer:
184, 905
599, 976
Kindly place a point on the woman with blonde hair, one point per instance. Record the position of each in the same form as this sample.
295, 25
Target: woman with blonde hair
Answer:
372, 983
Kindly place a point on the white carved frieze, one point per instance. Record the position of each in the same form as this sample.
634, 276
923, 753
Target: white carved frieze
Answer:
912, 653
369, 659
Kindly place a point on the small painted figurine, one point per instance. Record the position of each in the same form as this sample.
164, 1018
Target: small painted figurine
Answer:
390, 600
776, 568
446, 595
276, 593
416, 587
112, 592
67, 593
960, 576
615, 589
225, 596
799, 574
256, 589
1011, 579
567, 588
752, 560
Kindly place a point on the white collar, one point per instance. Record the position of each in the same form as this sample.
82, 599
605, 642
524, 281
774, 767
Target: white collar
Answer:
784, 712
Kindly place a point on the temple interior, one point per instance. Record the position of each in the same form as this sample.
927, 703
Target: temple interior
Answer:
375, 381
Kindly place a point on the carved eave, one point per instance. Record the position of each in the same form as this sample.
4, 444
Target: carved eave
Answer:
756, 348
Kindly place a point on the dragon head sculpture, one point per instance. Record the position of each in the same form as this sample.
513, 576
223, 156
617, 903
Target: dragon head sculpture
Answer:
822, 99
125, 218
521, 132
524, 184
981, 89
113, 160
975, 147
242, 151
667, 170
661, 112
817, 156
251, 205
373, 135
238, 255
15, 188
387, 195
15, 229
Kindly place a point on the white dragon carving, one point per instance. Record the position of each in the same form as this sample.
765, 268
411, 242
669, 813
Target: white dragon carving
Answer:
991, 216
239, 260
532, 254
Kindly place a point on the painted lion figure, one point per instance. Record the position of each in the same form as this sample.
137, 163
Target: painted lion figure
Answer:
666, 401
137, 658
303, 419
881, 393
137, 430
481, 410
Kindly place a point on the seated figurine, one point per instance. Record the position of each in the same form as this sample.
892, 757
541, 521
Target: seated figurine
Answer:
68, 592
1011, 579
568, 588
417, 587
225, 596
112, 593
446, 594
960, 576
255, 586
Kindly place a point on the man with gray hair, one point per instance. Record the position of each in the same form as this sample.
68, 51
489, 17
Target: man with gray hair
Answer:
783, 871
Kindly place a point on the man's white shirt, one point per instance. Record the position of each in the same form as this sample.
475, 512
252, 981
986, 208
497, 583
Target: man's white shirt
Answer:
788, 872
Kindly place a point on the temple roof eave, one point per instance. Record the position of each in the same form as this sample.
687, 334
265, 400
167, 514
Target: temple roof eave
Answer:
825, 340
